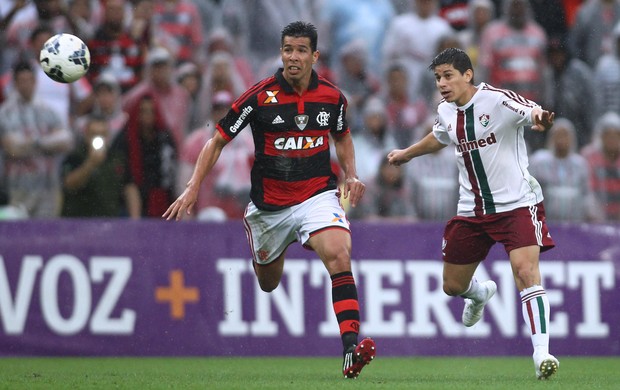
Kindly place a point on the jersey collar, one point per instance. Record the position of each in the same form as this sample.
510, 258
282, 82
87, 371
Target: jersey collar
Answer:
314, 81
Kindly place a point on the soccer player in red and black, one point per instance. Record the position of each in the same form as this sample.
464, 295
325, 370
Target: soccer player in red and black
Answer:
293, 116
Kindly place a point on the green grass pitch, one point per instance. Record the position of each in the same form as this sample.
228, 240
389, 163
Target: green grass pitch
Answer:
388, 373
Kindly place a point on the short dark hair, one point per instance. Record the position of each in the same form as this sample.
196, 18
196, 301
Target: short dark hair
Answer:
397, 67
455, 57
22, 66
301, 29
42, 28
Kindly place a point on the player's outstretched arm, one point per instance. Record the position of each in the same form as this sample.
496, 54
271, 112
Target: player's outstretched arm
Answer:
206, 160
428, 144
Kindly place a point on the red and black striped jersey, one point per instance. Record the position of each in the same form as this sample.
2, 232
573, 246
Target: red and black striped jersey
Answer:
124, 56
291, 137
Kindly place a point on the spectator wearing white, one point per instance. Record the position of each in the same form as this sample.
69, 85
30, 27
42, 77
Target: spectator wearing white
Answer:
564, 176
481, 12
33, 142
432, 180
590, 35
373, 140
106, 104
607, 77
413, 37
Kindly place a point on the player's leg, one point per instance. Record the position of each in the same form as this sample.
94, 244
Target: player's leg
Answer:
269, 275
465, 245
269, 234
534, 307
524, 249
334, 248
325, 229
458, 279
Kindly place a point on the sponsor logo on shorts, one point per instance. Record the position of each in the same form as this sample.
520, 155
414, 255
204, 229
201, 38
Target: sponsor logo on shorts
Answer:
262, 254
338, 218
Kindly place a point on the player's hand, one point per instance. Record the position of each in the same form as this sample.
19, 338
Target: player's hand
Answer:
354, 190
182, 205
398, 157
543, 121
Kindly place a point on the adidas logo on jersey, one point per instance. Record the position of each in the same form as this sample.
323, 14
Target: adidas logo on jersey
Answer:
278, 119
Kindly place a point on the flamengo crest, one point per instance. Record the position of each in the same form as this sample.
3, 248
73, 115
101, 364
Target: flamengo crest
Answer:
323, 118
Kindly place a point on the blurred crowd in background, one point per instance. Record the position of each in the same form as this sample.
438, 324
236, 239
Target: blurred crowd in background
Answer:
163, 72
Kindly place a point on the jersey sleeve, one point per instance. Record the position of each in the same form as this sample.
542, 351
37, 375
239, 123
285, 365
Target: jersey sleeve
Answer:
342, 126
518, 108
440, 132
238, 117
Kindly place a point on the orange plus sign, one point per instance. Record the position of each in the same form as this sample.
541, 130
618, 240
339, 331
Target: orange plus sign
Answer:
177, 294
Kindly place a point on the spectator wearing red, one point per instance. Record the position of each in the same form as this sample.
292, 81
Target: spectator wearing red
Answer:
172, 99
177, 25
114, 50
603, 155
152, 156
226, 189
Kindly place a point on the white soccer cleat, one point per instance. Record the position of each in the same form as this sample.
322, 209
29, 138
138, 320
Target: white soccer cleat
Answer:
546, 366
473, 310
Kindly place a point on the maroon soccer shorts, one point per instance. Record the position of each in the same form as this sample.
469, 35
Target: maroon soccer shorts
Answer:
468, 240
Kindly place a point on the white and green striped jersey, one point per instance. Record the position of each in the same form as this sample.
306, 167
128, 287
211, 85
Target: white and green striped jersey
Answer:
491, 154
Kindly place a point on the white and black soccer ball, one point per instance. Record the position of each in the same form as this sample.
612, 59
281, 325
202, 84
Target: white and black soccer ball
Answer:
65, 58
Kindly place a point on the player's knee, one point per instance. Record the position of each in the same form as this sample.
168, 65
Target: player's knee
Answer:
338, 263
268, 285
452, 288
526, 276
267, 282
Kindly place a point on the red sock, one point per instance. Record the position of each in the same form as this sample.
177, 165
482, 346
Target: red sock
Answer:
346, 307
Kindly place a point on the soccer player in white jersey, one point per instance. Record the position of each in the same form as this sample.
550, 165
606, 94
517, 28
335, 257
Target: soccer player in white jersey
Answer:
499, 201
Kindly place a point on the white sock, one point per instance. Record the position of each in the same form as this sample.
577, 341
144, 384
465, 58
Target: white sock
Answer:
473, 291
535, 309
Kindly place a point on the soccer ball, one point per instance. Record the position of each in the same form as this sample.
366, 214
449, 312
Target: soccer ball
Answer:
64, 58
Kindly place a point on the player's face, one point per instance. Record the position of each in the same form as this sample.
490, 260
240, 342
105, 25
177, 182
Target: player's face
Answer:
297, 58
454, 86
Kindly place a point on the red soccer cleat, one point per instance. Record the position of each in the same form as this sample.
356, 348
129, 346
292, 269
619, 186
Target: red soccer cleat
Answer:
357, 356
